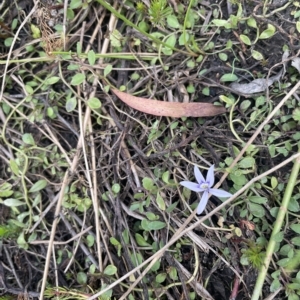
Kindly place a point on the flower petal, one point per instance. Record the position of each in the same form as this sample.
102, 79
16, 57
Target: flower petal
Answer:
220, 193
191, 186
210, 177
198, 175
203, 202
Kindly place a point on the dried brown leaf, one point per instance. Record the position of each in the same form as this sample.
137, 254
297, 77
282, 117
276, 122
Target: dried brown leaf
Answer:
169, 109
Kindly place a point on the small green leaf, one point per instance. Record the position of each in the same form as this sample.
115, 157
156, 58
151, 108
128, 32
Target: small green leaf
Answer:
148, 183
247, 162
8, 41
227, 100
223, 56
110, 270
91, 57
171, 40
219, 22
257, 210
278, 237
14, 24
206, 91
39, 185
172, 21
171, 207
190, 89
245, 39
125, 235
82, 278
252, 22
161, 277
21, 241
29, 89
274, 182
298, 26
165, 177
78, 79
296, 241
71, 104
94, 103
151, 216
145, 225
156, 266
269, 32
245, 105
228, 77
90, 240
11, 202
296, 114
14, 167
27, 138
116, 188
160, 202
75, 4
141, 241
52, 80
295, 227
275, 285
258, 199
157, 225
107, 70
173, 273
183, 39
257, 55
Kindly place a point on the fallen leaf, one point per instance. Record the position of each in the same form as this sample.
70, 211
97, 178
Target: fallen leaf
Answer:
170, 109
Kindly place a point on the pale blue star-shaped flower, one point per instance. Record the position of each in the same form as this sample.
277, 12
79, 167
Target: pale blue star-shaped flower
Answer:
204, 186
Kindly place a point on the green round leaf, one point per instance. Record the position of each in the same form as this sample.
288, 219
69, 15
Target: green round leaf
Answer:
173, 273
268, 32
245, 39
219, 22
295, 227
52, 80
183, 39
161, 277
75, 4
228, 78
257, 55
78, 79
94, 103
247, 162
27, 138
171, 40
257, 210
223, 56
116, 188
148, 183
110, 270
71, 104
296, 114
82, 278
172, 21
156, 225
252, 23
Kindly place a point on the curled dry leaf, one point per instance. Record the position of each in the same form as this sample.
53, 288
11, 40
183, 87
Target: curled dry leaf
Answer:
169, 109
